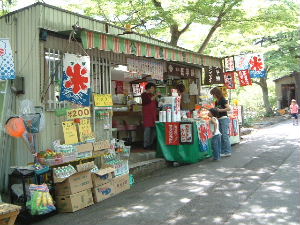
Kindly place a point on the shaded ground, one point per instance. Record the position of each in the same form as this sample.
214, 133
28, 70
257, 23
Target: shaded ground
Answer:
258, 184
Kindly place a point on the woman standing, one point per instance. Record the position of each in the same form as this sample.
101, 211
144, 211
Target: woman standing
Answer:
223, 107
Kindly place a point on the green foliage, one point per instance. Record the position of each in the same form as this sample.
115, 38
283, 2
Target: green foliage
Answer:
6, 6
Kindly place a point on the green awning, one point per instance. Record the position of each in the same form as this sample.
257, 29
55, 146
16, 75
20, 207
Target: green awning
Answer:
116, 44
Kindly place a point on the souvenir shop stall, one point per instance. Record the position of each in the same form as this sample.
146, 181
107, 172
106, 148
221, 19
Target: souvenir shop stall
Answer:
80, 168
128, 83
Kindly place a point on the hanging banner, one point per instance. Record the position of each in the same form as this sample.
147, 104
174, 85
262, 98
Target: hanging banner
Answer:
147, 67
204, 133
103, 100
208, 75
244, 77
241, 62
119, 87
7, 67
229, 64
186, 133
172, 134
229, 80
85, 130
76, 79
70, 132
234, 127
257, 66
217, 76
78, 113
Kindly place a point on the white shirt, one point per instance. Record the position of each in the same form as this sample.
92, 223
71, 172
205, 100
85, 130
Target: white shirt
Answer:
213, 128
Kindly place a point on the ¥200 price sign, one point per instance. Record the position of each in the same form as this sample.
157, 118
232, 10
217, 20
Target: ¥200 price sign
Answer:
78, 113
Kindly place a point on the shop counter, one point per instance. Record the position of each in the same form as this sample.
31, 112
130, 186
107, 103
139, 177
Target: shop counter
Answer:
184, 153
189, 153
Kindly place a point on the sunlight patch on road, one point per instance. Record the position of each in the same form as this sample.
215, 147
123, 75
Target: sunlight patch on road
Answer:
185, 200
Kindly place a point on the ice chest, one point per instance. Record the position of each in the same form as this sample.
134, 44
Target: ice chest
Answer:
121, 183
103, 176
103, 192
72, 203
77, 182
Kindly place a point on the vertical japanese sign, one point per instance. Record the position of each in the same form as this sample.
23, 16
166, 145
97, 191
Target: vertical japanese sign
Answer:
234, 127
244, 77
229, 64
186, 133
76, 79
172, 134
7, 67
229, 80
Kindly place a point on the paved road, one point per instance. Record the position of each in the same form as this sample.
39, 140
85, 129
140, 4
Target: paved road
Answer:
258, 184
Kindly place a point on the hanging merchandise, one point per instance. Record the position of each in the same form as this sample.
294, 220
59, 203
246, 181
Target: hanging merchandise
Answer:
172, 134
229, 80
194, 89
7, 67
76, 79
119, 87
257, 66
41, 201
229, 64
244, 77
241, 62
186, 133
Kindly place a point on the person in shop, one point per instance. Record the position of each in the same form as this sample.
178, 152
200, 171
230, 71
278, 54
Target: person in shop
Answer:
149, 103
185, 98
223, 107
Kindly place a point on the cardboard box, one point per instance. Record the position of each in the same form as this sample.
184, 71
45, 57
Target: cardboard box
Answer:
103, 176
84, 150
101, 145
121, 183
74, 184
72, 203
101, 152
103, 192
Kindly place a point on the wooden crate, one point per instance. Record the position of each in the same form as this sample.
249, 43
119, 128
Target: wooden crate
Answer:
8, 213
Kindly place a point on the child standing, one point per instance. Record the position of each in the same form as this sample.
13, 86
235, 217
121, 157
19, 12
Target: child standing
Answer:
216, 140
294, 111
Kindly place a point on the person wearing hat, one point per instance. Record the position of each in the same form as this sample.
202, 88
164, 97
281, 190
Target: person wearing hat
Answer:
294, 111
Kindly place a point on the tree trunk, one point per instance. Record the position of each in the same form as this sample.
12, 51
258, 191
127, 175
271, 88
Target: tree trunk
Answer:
175, 34
264, 87
209, 36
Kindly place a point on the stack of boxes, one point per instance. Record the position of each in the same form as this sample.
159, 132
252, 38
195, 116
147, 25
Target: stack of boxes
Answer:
74, 193
84, 188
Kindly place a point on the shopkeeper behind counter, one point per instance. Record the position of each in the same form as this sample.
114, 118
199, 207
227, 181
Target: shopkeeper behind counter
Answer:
149, 104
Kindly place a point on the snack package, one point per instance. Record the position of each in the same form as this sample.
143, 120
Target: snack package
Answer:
41, 201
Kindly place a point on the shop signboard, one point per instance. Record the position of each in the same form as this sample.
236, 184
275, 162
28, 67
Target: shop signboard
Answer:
70, 132
103, 100
186, 133
172, 134
78, 113
179, 70
85, 130
147, 67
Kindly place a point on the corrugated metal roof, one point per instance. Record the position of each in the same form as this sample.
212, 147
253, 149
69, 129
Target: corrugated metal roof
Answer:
115, 29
